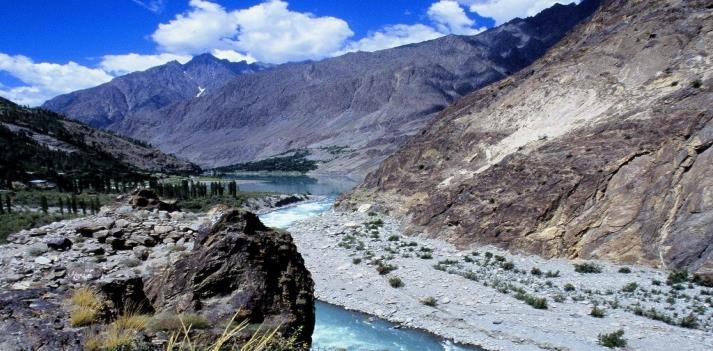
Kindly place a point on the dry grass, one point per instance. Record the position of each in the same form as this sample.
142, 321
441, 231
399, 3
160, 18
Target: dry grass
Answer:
119, 334
132, 321
86, 306
175, 322
260, 341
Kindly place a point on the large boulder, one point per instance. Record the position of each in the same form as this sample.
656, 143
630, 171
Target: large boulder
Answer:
147, 199
239, 264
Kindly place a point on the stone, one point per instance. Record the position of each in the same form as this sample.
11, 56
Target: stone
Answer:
231, 262
101, 235
144, 240
59, 243
141, 252
162, 229
43, 260
93, 249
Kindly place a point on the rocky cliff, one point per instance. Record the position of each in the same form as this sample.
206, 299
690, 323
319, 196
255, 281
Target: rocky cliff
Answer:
601, 149
365, 103
161, 266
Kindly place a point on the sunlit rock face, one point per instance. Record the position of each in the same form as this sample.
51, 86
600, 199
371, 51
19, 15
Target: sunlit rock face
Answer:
598, 150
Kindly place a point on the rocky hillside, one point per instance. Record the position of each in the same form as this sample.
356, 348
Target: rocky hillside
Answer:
367, 103
110, 103
601, 149
44, 144
130, 274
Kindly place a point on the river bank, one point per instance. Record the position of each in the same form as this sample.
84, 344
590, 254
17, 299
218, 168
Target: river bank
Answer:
479, 295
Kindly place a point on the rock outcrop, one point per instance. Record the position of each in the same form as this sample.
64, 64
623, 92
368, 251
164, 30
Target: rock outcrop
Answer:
365, 104
152, 262
601, 149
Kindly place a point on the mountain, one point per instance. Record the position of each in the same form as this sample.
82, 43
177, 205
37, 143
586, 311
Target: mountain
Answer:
364, 104
41, 144
601, 149
107, 104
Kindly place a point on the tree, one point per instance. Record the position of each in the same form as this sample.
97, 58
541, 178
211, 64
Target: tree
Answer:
83, 205
74, 204
2, 210
43, 204
61, 206
8, 203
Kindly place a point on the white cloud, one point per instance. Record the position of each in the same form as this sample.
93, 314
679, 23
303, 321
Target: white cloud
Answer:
127, 63
504, 10
155, 6
44, 80
232, 55
268, 32
392, 36
450, 17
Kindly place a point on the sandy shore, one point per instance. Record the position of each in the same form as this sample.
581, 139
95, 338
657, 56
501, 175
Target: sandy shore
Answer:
476, 290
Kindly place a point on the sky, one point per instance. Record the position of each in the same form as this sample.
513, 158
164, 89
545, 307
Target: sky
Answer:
48, 48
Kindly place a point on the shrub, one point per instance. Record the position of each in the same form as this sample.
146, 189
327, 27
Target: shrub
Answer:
86, 307
535, 271
551, 274
396, 282
677, 277
631, 287
597, 312
612, 340
587, 268
429, 301
508, 266
625, 270
569, 287
426, 256
356, 260
385, 269
539, 303
393, 238
132, 321
689, 321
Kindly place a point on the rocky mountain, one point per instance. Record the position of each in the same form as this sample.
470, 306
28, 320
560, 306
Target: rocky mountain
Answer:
40, 143
601, 149
366, 104
125, 279
110, 103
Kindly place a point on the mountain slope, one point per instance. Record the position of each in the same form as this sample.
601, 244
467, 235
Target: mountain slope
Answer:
40, 144
367, 102
109, 103
601, 149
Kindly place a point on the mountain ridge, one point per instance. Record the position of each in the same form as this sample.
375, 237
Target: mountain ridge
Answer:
369, 102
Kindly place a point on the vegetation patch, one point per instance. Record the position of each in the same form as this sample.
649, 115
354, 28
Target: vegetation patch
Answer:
612, 340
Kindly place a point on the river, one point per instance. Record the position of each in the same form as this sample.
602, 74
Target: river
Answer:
337, 328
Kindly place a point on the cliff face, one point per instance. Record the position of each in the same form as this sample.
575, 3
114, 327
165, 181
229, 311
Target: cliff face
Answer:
367, 102
160, 264
601, 149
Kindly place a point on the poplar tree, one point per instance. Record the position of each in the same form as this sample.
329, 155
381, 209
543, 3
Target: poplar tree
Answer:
43, 204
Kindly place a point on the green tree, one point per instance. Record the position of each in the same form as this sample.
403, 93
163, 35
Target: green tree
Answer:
2, 210
83, 205
8, 203
43, 204
61, 206
74, 204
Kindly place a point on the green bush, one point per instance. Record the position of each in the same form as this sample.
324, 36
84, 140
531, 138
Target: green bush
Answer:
396, 282
612, 340
569, 287
508, 266
689, 321
535, 271
385, 269
539, 303
597, 312
625, 270
631, 287
429, 301
356, 260
587, 268
677, 277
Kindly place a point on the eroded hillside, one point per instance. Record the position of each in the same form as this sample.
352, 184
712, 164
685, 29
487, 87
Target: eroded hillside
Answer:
601, 149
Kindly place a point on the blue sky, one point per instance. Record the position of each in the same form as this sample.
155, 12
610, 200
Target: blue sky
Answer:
52, 47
